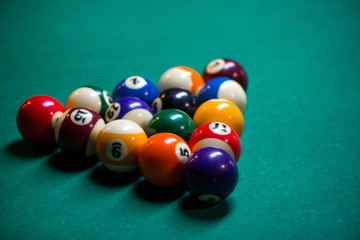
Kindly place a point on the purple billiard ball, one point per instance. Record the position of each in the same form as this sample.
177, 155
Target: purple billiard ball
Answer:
136, 86
130, 108
224, 67
76, 131
211, 174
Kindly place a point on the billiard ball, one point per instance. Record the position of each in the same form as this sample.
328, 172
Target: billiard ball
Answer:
224, 67
130, 108
92, 97
175, 98
210, 174
118, 145
136, 86
225, 88
220, 110
162, 159
181, 77
76, 131
219, 135
36, 119
173, 121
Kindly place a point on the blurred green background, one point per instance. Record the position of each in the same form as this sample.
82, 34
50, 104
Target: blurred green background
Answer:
300, 160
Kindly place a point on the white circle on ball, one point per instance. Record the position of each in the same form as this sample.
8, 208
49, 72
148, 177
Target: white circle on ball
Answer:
209, 198
107, 97
175, 78
219, 128
156, 106
182, 152
135, 82
116, 150
215, 66
113, 112
232, 91
81, 117
84, 97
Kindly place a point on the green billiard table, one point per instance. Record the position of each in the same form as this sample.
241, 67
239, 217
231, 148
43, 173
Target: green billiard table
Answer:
299, 170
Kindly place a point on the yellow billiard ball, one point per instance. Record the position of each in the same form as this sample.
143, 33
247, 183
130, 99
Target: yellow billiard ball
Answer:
220, 110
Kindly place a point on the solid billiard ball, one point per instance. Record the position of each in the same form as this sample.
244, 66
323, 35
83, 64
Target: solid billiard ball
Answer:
92, 97
225, 88
173, 121
224, 67
175, 98
210, 174
118, 145
181, 77
136, 86
220, 110
76, 131
36, 119
162, 159
216, 134
130, 108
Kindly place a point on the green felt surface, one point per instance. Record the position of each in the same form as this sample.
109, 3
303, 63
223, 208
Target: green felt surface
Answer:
300, 163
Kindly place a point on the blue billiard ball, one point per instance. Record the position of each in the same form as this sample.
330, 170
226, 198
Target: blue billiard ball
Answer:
211, 174
224, 88
136, 86
130, 108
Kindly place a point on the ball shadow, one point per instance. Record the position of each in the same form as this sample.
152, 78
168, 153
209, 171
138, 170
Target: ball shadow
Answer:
149, 192
103, 176
24, 149
194, 208
67, 163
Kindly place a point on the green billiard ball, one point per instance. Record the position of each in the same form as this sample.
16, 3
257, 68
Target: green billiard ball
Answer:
92, 97
173, 121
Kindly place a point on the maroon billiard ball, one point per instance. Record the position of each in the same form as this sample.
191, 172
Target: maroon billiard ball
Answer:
76, 131
224, 67
36, 119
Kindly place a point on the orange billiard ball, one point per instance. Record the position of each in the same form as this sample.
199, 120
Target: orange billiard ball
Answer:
162, 159
181, 77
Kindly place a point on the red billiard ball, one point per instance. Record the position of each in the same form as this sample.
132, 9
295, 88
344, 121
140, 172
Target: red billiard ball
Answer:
76, 131
36, 119
224, 67
162, 159
216, 134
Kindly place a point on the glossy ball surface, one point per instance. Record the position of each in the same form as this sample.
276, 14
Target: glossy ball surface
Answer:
223, 88
76, 131
220, 110
130, 108
173, 121
118, 145
175, 98
92, 97
36, 119
219, 135
136, 86
225, 67
211, 174
181, 77
162, 159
